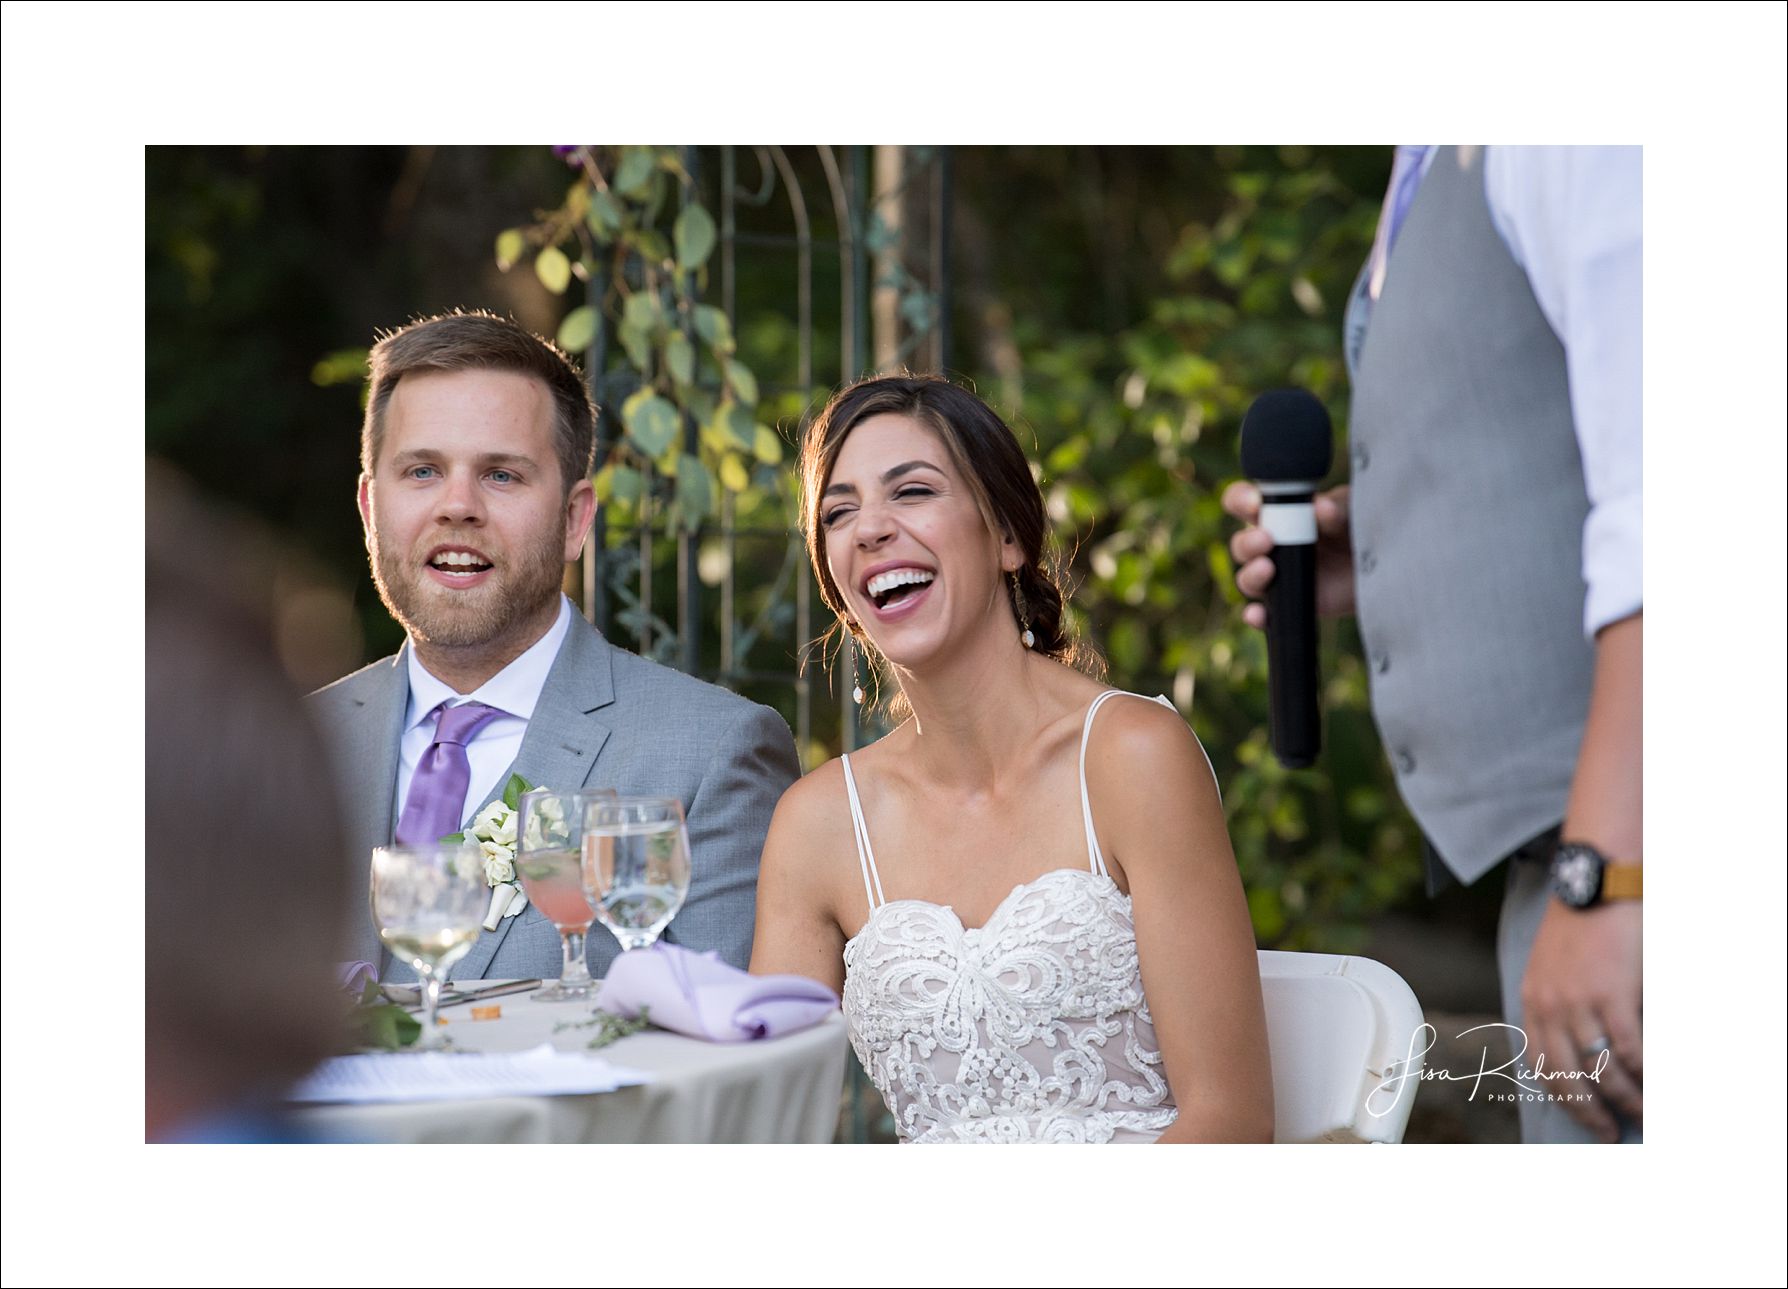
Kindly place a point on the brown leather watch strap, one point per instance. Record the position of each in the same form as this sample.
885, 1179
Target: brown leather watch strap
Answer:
1621, 881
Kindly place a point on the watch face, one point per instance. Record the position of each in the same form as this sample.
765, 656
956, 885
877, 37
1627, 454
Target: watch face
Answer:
1576, 876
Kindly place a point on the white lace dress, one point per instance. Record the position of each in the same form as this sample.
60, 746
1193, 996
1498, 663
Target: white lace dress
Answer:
1031, 1028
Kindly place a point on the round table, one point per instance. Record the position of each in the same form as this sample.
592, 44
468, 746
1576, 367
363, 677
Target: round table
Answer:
785, 1089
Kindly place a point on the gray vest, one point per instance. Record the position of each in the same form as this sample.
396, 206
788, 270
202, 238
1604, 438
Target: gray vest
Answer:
1468, 510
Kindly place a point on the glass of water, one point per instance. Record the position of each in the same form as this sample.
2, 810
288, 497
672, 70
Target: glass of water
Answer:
636, 865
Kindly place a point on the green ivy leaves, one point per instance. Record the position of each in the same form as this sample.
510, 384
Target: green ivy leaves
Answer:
713, 327
694, 235
651, 421
578, 332
611, 232
679, 358
742, 382
553, 267
635, 171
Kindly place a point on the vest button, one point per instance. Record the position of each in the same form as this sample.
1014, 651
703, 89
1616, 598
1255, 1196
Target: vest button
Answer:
1381, 663
1361, 457
1368, 561
1405, 762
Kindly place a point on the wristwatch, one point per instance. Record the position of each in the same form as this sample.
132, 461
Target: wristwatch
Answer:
1583, 877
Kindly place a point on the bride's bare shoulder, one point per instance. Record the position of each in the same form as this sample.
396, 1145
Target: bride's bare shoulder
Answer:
815, 805
1138, 745
803, 875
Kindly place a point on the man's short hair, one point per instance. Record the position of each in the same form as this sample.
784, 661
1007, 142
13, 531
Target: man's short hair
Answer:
477, 340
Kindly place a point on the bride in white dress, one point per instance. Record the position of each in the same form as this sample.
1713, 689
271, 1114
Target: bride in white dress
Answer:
1025, 893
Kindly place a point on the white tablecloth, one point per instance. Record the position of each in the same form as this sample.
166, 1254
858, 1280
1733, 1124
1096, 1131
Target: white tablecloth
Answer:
784, 1089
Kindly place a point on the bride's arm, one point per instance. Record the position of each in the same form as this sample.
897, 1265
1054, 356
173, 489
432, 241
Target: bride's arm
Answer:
797, 930
1160, 822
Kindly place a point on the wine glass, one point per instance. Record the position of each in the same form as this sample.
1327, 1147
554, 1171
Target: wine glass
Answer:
428, 903
548, 849
636, 865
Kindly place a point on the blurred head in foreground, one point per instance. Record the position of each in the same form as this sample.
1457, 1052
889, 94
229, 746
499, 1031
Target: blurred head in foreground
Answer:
246, 889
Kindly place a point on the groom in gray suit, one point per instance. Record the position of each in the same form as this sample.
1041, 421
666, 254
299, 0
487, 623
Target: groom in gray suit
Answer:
474, 491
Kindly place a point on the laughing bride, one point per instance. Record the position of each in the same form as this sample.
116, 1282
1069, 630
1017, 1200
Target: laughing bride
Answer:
1025, 893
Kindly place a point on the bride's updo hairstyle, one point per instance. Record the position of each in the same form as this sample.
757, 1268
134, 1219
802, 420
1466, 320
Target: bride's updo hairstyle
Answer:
985, 452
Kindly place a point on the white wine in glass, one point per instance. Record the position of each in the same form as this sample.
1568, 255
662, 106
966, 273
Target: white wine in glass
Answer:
428, 903
636, 865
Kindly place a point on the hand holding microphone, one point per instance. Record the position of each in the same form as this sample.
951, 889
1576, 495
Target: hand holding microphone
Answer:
1287, 448
1251, 549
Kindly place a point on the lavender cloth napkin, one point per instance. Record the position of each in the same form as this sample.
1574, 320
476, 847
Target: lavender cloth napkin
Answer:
699, 995
354, 977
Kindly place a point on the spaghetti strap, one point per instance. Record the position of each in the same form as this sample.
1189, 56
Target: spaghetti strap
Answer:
1096, 860
872, 880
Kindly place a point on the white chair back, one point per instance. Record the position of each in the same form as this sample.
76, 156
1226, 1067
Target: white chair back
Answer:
1341, 1031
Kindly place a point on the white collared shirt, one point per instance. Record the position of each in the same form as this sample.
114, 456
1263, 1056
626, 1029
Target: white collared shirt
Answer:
514, 691
1571, 218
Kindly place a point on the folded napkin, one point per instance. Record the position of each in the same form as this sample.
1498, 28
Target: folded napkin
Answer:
354, 976
699, 995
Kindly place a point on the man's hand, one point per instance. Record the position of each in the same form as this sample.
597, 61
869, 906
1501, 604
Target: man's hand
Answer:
1252, 548
1583, 987
1583, 981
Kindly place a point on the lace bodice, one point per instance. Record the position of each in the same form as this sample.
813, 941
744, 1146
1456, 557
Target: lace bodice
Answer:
1031, 1028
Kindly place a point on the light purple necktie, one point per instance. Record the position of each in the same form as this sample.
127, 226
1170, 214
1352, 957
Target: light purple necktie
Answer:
1406, 177
435, 806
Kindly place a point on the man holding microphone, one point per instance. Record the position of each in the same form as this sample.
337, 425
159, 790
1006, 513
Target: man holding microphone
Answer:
1489, 541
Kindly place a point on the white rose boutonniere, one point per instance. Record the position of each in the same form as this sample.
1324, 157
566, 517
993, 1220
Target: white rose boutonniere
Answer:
498, 866
494, 831
496, 822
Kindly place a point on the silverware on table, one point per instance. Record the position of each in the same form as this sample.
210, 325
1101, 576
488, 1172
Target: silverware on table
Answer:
408, 996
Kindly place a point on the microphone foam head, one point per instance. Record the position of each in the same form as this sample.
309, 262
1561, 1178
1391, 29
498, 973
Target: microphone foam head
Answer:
1287, 437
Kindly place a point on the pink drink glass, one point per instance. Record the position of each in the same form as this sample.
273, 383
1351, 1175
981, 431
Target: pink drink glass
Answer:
548, 860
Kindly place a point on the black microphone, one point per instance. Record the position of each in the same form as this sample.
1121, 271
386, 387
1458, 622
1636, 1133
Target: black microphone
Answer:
1287, 448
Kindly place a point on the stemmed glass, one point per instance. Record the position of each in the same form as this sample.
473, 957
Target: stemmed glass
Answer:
428, 903
548, 849
636, 865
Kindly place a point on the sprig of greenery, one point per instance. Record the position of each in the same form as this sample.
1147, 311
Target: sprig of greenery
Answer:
609, 1027
375, 1023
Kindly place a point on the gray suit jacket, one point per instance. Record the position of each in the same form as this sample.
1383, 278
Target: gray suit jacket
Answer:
606, 718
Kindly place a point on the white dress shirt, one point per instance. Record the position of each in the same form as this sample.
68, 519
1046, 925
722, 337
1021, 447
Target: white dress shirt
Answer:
514, 691
1571, 218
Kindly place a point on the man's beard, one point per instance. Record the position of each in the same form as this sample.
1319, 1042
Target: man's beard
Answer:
452, 619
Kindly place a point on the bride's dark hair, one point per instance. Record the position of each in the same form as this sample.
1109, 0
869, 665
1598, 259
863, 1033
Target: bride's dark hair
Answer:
986, 453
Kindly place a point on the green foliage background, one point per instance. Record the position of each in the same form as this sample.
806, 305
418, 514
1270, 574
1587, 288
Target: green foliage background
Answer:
1121, 307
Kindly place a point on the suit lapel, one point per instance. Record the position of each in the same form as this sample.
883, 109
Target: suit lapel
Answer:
370, 749
559, 751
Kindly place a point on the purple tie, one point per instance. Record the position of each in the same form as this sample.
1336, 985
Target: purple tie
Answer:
436, 804
1406, 177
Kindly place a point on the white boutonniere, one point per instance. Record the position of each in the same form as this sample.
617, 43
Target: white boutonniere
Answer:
494, 831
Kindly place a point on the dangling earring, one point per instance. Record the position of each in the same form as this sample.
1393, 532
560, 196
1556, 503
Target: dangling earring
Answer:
1018, 607
850, 625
